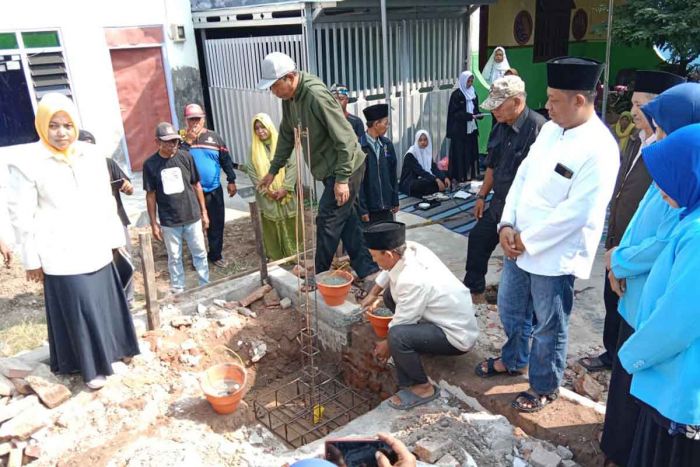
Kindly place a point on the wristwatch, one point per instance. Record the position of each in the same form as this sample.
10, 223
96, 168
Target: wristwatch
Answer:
480, 196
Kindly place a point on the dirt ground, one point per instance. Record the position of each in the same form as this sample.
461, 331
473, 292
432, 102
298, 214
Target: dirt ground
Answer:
23, 320
158, 398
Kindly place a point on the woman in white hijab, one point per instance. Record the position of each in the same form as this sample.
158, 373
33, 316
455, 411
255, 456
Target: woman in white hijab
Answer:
419, 173
462, 114
497, 65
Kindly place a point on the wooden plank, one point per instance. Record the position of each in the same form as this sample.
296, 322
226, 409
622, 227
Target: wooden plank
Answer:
257, 228
149, 281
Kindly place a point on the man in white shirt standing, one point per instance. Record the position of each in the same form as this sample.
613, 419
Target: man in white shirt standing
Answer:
432, 310
550, 230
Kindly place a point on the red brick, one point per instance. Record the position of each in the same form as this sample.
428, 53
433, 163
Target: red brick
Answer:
22, 386
430, 450
33, 450
14, 368
25, 424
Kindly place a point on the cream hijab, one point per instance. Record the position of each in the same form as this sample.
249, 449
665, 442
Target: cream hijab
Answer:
423, 156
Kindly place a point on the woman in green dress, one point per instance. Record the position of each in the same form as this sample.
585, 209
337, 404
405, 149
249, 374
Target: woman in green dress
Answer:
277, 204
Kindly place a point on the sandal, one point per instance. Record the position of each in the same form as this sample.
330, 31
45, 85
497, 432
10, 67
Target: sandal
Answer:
491, 369
593, 364
409, 399
365, 287
529, 403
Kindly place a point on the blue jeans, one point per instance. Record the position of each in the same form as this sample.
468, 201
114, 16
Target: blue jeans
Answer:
521, 296
193, 235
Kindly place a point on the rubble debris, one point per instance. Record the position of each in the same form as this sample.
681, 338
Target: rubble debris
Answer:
220, 303
430, 449
188, 345
540, 457
232, 305
33, 451
5, 448
246, 312
49, 389
565, 453
271, 298
285, 303
17, 406
14, 368
256, 295
589, 387
25, 424
15, 459
448, 460
189, 359
6, 386
201, 309
257, 351
181, 321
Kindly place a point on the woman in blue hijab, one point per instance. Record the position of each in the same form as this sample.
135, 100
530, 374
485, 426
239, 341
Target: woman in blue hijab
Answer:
646, 236
663, 354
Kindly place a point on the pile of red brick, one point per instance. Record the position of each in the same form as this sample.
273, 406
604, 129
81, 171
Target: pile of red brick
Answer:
360, 368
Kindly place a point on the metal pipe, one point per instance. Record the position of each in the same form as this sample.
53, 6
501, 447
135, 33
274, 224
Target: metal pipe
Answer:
310, 38
608, 45
385, 56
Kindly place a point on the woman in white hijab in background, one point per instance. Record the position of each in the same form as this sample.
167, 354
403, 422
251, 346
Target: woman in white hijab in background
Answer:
462, 113
497, 66
419, 173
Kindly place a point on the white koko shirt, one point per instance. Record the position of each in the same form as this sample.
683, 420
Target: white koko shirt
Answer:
560, 218
64, 215
424, 290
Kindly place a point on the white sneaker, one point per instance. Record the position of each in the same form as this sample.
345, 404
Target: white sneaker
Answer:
119, 368
97, 382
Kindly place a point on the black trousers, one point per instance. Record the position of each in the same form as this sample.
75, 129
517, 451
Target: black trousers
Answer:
483, 239
611, 327
334, 223
622, 410
408, 341
423, 187
216, 210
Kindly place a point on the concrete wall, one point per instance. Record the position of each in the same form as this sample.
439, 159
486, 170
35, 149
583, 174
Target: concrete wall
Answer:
81, 24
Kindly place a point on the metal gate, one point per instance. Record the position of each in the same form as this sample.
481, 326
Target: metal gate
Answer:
425, 59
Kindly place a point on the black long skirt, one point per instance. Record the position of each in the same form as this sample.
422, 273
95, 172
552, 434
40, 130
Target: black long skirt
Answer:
464, 158
654, 447
89, 323
622, 408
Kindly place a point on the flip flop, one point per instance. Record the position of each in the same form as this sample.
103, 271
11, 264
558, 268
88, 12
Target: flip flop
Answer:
537, 402
593, 364
410, 400
365, 287
491, 369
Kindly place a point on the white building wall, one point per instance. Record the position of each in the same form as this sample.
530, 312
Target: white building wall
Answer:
81, 24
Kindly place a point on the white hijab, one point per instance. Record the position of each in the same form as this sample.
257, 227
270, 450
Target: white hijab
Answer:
470, 95
423, 156
494, 70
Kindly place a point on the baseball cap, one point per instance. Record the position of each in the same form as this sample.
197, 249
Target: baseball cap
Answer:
166, 132
275, 66
502, 89
194, 111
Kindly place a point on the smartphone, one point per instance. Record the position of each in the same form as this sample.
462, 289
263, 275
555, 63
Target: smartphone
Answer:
357, 452
117, 182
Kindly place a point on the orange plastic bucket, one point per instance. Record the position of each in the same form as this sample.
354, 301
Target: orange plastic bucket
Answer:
223, 386
334, 294
380, 324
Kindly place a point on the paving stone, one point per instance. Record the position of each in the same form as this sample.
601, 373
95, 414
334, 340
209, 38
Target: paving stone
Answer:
565, 453
540, 457
17, 406
49, 389
430, 450
25, 424
14, 368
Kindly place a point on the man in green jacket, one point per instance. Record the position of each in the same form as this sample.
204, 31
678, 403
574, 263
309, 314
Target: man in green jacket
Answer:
336, 158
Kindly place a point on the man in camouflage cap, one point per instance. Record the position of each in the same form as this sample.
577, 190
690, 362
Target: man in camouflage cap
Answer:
509, 143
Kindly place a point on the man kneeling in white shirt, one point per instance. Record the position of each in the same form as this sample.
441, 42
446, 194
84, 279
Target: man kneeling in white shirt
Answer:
432, 310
